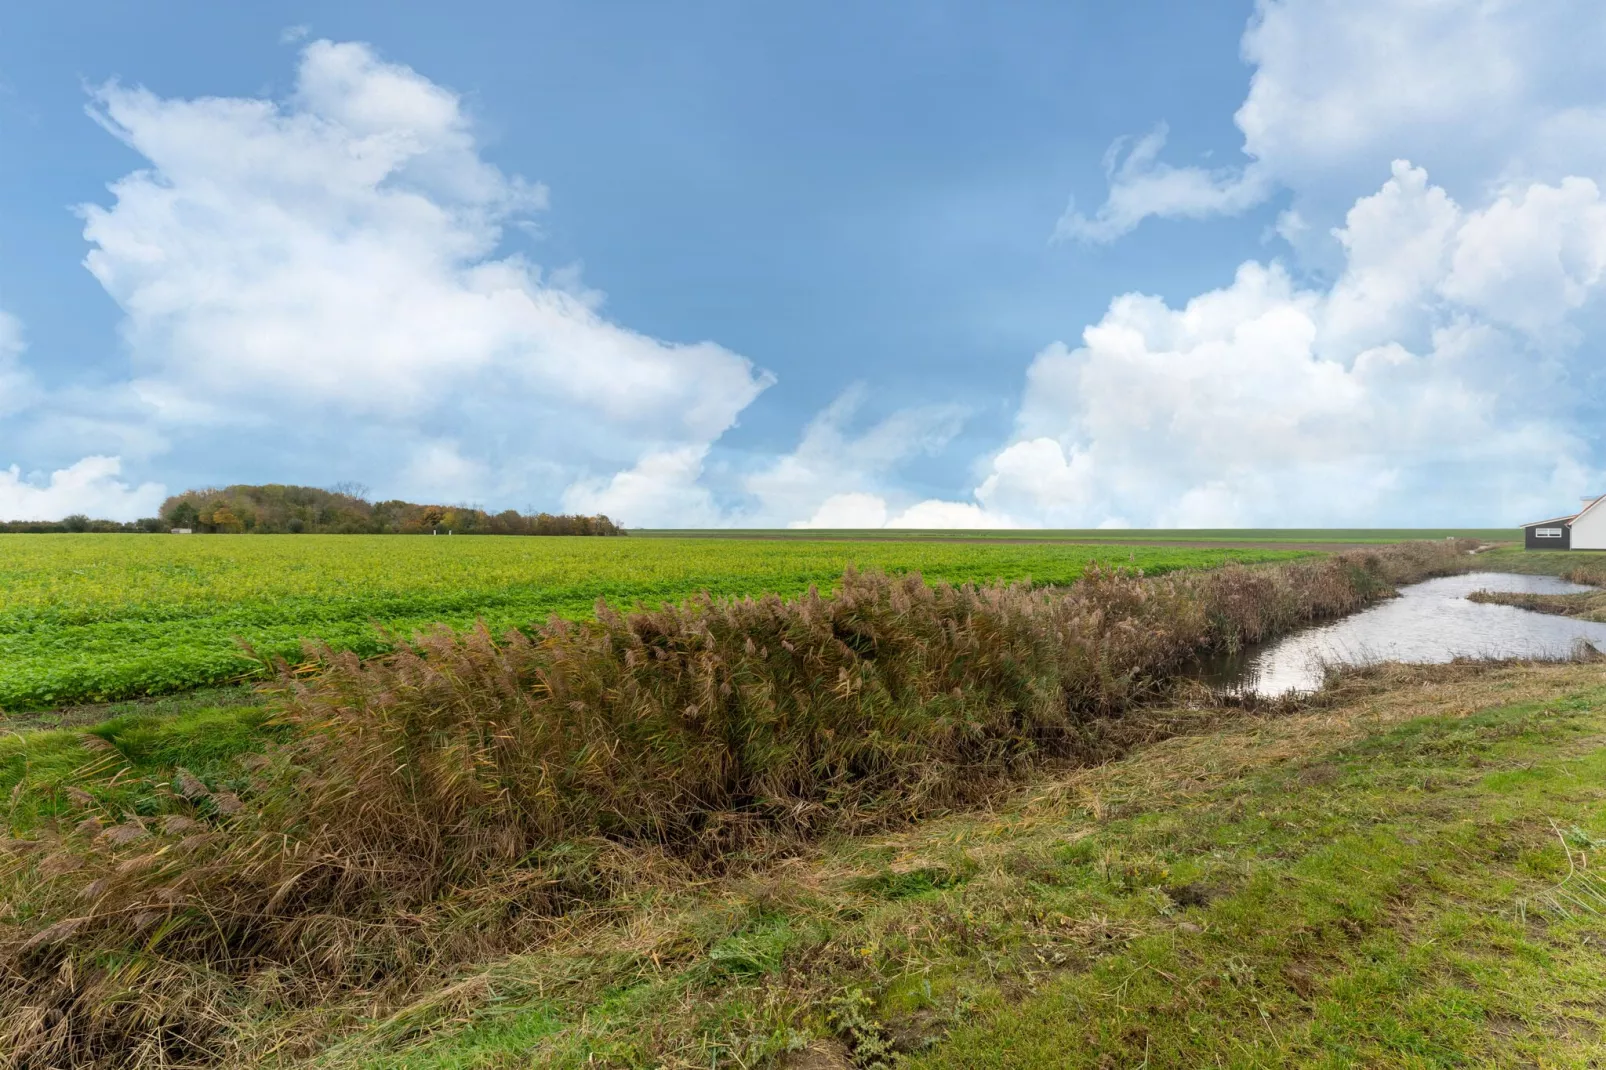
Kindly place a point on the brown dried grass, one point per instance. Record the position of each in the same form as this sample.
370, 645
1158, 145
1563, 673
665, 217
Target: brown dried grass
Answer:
457, 796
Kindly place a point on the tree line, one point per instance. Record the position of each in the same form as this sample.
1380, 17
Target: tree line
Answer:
78, 522
276, 508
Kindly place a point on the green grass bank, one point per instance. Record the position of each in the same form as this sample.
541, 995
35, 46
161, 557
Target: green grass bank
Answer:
394, 819
1400, 874
91, 618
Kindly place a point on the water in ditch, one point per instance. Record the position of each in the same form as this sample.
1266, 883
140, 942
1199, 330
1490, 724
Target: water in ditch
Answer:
1430, 622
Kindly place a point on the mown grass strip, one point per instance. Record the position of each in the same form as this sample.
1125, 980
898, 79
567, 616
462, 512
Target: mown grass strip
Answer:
1350, 886
1396, 942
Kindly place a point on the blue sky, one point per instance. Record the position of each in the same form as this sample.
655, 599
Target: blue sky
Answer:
918, 264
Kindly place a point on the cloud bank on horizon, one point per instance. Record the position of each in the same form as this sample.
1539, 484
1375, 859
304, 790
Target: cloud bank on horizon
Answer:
321, 273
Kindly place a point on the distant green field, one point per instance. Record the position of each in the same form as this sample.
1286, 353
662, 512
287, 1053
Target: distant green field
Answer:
1115, 536
94, 617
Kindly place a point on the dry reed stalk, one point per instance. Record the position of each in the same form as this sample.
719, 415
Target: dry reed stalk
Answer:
462, 792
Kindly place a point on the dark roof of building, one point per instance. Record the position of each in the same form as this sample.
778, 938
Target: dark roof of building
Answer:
1552, 520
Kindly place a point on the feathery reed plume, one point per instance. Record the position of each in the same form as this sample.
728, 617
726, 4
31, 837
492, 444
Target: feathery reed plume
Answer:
457, 794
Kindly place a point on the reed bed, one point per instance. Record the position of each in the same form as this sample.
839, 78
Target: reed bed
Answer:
1584, 605
1592, 572
451, 799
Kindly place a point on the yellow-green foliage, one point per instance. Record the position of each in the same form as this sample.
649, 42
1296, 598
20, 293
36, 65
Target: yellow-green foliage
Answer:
461, 794
98, 617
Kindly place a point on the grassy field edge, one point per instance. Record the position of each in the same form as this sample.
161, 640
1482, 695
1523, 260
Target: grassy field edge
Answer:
1380, 879
93, 618
460, 798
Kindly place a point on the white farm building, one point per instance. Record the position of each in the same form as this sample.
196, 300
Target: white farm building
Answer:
1584, 530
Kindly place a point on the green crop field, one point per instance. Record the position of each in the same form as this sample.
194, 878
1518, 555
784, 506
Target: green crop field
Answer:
1116, 536
94, 617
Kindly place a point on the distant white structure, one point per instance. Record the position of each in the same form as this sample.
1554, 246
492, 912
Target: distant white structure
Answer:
1584, 530
1589, 526
183, 531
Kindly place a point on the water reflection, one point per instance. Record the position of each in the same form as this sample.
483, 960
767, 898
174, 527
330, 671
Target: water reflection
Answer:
1429, 622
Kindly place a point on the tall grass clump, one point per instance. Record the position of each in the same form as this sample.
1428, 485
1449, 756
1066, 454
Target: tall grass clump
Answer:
453, 797
1591, 571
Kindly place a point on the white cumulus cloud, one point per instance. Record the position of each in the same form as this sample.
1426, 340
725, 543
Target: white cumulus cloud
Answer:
858, 509
840, 474
327, 271
328, 276
1479, 91
1432, 365
835, 469
88, 486
855, 509
1427, 366
936, 514
1142, 185
663, 489
91, 487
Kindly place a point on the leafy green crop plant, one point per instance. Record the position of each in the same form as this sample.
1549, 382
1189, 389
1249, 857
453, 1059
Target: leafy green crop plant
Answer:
104, 617
461, 792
